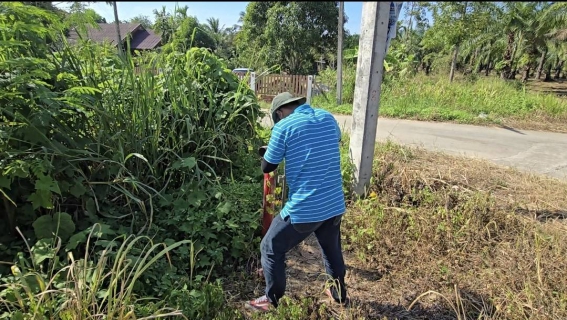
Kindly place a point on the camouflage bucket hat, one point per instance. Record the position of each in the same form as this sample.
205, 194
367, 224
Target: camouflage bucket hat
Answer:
281, 100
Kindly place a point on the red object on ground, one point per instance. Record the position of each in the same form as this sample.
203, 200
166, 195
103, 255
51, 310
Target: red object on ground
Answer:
269, 189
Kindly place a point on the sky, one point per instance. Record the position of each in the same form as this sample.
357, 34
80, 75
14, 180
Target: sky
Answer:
226, 12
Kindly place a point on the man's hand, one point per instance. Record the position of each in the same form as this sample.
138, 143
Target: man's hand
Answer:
262, 151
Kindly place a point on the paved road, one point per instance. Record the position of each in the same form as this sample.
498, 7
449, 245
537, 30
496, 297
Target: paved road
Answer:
532, 151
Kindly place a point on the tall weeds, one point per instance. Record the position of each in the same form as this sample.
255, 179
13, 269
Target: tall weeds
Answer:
148, 145
44, 286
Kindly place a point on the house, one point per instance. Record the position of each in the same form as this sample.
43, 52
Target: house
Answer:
141, 38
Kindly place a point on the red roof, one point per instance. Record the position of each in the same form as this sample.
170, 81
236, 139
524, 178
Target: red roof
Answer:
142, 39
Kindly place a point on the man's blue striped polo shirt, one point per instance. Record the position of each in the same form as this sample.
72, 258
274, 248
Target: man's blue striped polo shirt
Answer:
308, 140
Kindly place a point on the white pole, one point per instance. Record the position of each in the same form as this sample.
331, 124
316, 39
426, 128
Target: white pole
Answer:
309, 88
253, 81
369, 69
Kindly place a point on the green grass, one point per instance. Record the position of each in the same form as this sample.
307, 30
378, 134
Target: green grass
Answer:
484, 101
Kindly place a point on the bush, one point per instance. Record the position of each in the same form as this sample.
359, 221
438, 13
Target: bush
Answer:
329, 78
87, 138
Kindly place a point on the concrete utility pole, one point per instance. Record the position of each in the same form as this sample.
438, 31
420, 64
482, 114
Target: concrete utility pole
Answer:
369, 70
340, 54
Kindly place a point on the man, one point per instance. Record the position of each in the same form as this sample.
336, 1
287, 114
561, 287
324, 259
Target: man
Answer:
308, 140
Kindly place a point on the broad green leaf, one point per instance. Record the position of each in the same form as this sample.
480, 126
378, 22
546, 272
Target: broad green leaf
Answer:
60, 224
78, 189
189, 163
17, 315
225, 207
46, 183
98, 231
5, 182
90, 206
75, 240
196, 197
43, 250
41, 199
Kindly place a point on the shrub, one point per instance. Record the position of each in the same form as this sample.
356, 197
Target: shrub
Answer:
85, 138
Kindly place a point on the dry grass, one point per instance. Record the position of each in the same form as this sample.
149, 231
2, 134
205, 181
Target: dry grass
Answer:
441, 237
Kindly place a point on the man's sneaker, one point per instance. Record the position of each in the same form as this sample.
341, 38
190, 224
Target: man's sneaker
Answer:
346, 302
261, 304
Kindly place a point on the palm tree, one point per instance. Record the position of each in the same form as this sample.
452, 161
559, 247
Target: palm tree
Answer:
215, 29
213, 24
557, 15
512, 22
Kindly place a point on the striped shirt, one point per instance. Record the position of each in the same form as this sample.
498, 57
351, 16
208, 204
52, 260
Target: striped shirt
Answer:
308, 141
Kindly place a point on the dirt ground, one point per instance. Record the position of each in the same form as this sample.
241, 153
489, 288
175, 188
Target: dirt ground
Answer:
440, 237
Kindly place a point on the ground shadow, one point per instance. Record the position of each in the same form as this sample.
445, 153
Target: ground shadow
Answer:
368, 275
544, 214
474, 306
512, 129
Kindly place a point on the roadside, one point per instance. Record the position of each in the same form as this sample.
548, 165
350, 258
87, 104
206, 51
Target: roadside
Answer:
531, 151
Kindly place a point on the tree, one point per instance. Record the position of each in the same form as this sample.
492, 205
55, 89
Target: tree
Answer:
351, 40
216, 31
453, 23
291, 35
79, 17
180, 31
143, 20
116, 22
164, 24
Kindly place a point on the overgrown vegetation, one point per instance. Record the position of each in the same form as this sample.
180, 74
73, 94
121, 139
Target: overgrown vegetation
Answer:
86, 141
473, 100
130, 185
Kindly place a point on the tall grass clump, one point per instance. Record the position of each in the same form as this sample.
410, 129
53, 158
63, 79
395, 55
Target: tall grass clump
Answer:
486, 99
328, 77
43, 286
471, 100
154, 145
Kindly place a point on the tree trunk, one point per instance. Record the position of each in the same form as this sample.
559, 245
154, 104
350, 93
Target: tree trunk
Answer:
117, 25
505, 73
548, 73
541, 62
512, 74
558, 69
526, 74
454, 63
473, 60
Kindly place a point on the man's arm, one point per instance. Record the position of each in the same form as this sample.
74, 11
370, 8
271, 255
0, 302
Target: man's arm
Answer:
268, 167
275, 151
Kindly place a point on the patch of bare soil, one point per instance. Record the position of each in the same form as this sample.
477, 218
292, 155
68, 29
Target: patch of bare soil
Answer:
441, 237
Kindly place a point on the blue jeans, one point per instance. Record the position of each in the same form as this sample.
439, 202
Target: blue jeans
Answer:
282, 236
